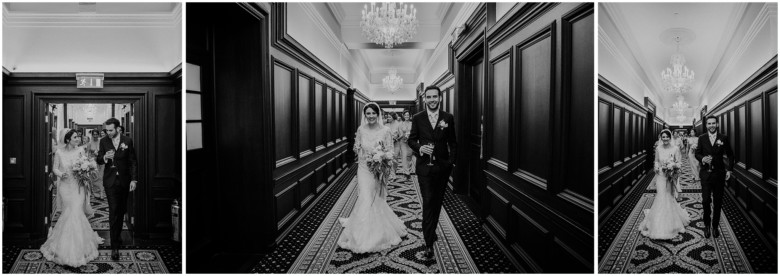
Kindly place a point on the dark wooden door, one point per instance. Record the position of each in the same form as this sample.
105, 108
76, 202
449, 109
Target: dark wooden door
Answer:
476, 128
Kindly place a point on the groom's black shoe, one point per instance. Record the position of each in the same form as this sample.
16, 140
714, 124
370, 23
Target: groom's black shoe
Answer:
715, 232
115, 254
707, 232
428, 253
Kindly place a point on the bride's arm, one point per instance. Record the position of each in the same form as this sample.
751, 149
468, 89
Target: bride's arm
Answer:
56, 165
657, 162
358, 139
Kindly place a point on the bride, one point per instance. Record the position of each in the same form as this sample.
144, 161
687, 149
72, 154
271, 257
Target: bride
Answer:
72, 242
666, 218
372, 226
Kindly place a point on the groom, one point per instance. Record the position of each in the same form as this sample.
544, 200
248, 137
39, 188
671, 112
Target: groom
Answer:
433, 133
714, 172
119, 178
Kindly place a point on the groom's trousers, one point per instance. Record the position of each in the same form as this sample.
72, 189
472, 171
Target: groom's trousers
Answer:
712, 198
432, 187
117, 207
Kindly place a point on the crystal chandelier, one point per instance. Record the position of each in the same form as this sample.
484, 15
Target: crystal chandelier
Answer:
679, 78
389, 24
392, 82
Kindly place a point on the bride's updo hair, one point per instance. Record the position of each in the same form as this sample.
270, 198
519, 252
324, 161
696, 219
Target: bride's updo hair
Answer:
373, 106
69, 136
668, 133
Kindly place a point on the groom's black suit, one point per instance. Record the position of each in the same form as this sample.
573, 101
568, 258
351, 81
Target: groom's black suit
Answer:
117, 182
712, 183
433, 179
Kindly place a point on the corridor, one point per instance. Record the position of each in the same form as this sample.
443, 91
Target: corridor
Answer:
463, 247
738, 249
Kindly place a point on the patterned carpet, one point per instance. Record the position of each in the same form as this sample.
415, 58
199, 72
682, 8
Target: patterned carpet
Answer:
689, 252
485, 253
323, 255
31, 261
737, 250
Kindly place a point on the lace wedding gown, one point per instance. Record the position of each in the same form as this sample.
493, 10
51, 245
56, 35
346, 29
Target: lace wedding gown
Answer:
372, 226
666, 218
72, 242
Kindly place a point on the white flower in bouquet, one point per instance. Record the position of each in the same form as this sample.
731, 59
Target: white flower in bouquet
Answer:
389, 155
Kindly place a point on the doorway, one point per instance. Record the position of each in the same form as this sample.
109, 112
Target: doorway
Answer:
472, 68
86, 114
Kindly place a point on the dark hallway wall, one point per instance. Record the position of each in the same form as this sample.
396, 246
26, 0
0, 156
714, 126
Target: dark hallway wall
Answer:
519, 84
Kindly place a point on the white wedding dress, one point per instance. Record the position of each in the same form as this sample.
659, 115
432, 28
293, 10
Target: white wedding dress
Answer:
72, 242
666, 218
372, 226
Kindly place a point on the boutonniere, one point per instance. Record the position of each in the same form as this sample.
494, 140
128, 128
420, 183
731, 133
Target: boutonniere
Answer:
718, 142
443, 125
122, 146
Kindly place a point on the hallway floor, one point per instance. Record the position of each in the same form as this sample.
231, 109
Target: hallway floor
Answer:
739, 249
146, 256
463, 247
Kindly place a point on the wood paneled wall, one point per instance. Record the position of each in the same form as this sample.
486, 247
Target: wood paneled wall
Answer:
315, 116
310, 136
748, 116
626, 134
157, 99
536, 67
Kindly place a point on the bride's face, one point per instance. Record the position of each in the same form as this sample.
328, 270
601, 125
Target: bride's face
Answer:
371, 116
407, 116
75, 140
665, 138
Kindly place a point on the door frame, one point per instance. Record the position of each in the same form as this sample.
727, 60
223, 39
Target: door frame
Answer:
467, 55
41, 99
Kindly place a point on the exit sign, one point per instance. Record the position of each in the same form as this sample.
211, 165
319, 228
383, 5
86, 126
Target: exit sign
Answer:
89, 80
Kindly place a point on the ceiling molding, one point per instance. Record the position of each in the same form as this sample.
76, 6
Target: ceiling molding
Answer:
624, 61
720, 54
19, 19
442, 47
729, 60
322, 25
615, 15
441, 13
337, 11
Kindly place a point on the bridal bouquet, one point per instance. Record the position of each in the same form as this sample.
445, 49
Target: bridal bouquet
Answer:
85, 170
380, 161
670, 168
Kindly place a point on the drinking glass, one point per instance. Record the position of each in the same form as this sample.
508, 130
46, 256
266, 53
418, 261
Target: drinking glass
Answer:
430, 160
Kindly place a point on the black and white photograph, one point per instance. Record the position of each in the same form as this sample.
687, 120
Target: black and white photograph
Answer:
687, 138
390, 137
92, 138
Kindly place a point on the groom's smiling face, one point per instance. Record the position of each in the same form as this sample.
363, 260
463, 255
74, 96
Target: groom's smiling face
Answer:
432, 99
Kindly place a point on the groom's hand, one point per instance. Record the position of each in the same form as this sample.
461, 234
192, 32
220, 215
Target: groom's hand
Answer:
132, 185
426, 149
728, 175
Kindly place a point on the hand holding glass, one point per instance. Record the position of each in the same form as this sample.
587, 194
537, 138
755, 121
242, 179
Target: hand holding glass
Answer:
111, 152
430, 159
